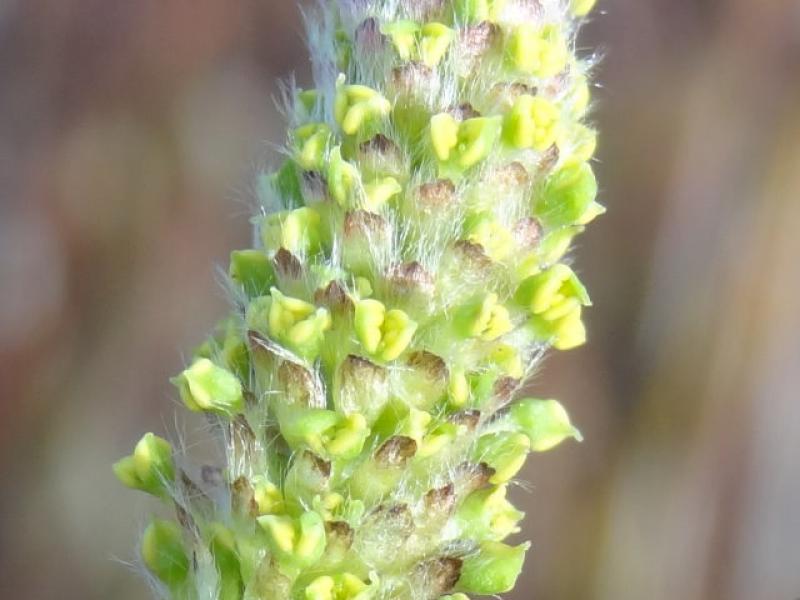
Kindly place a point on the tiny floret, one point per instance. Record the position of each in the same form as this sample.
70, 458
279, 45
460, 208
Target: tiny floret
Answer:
205, 386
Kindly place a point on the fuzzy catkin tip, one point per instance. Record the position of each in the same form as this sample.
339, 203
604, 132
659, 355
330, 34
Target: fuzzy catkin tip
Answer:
409, 273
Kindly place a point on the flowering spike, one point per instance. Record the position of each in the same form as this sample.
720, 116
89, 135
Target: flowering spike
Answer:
408, 274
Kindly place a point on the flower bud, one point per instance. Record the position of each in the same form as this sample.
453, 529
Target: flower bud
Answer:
495, 239
164, 554
567, 197
545, 422
150, 468
358, 105
298, 231
404, 37
458, 388
205, 386
541, 52
328, 505
434, 43
436, 439
531, 123
553, 293
268, 497
383, 333
555, 297
507, 359
485, 319
444, 135
504, 451
459, 146
342, 586
312, 142
493, 569
563, 333
487, 515
326, 432
428, 42
298, 324
378, 192
295, 542
344, 179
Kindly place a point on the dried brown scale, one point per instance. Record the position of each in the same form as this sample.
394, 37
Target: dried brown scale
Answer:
360, 367
548, 160
340, 533
368, 36
440, 500
470, 419
334, 296
413, 79
527, 232
505, 94
243, 439
432, 365
512, 176
463, 111
439, 575
396, 451
436, 196
243, 500
186, 519
321, 467
393, 520
474, 256
362, 223
287, 265
476, 40
410, 276
299, 385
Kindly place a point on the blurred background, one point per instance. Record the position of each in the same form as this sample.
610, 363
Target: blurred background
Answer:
129, 135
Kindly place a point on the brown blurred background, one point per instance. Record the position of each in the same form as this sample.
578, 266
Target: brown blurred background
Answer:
129, 134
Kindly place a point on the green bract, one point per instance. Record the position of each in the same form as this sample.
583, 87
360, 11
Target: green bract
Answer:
410, 270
